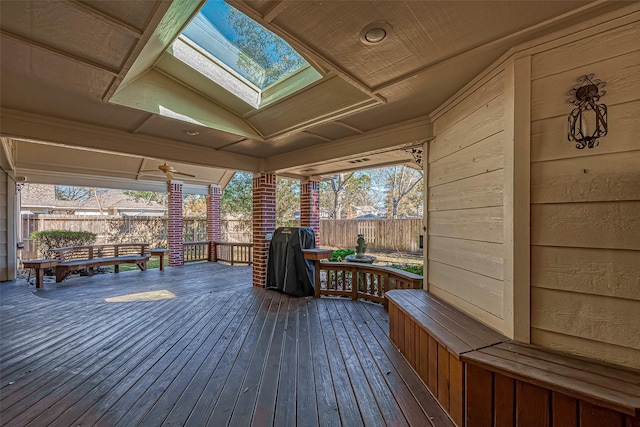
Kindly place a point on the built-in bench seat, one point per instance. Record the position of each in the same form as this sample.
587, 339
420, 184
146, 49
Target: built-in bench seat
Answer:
548, 388
73, 258
483, 379
433, 335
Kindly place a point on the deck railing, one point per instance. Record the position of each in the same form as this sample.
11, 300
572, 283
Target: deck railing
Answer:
195, 251
234, 252
364, 281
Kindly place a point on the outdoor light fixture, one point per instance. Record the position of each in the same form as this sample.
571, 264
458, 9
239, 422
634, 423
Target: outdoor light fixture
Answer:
588, 121
191, 132
375, 33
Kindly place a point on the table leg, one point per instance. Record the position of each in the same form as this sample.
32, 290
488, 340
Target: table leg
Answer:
316, 285
39, 278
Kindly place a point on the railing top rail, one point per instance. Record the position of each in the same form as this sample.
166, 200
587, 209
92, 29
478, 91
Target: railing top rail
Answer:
103, 245
360, 266
221, 242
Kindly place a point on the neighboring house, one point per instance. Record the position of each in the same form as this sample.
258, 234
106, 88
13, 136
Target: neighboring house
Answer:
41, 199
364, 211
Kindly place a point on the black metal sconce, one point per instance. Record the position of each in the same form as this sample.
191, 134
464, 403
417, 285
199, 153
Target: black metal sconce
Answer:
588, 121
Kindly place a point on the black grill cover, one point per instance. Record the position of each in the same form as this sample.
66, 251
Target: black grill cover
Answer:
287, 270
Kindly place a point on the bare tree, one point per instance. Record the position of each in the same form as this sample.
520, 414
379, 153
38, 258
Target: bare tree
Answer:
400, 182
343, 190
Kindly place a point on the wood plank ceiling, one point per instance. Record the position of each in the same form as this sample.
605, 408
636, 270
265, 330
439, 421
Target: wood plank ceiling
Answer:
64, 61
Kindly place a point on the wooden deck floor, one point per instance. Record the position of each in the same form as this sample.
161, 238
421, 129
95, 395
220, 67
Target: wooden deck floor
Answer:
220, 353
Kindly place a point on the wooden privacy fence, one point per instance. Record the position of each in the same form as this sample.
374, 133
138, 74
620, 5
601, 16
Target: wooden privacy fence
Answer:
401, 235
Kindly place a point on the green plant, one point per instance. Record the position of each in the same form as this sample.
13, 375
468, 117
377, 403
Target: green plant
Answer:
411, 268
47, 240
340, 254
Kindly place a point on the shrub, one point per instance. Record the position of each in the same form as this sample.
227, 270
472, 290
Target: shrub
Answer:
47, 240
411, 268
340, 254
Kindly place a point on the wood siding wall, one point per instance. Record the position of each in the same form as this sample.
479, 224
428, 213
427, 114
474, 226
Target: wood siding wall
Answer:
4, 227
585, 204
465, 203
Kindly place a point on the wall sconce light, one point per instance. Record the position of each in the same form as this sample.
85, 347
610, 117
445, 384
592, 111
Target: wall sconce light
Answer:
588, 121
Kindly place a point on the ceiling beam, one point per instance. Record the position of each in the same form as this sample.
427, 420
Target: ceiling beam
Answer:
61, 178
353, 128
34, 127
315, 135
6, 160
143, 40
275, 10
105, 19
407, 133
58, 52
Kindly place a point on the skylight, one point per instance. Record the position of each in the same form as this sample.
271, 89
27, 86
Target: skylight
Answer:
244, 49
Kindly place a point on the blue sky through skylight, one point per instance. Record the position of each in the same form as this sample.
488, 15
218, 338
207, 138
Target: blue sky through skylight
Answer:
243, 45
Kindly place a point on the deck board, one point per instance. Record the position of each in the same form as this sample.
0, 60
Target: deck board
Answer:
220, 353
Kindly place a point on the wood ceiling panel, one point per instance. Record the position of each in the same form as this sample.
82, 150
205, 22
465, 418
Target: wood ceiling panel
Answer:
332, 131
165, 127
364, 161
424, 32
421, 94
264, 6
274, 147
67, 29
326, 100
26, 63
135, 13
37, 81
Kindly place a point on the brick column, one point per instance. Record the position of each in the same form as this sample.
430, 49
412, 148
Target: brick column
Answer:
213, 220
310, 207
264, 222
174, 224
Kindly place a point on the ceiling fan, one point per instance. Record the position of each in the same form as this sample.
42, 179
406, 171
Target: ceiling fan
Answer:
169, 171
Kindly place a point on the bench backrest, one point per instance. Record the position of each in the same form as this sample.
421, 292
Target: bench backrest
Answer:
70, 253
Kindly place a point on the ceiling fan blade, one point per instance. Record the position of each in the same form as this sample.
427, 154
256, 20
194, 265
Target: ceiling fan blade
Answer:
169, 176
149, 170
184, 174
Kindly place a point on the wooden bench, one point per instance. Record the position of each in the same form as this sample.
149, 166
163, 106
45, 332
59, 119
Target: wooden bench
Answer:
72, 258
432, 335
546, 388
483, 379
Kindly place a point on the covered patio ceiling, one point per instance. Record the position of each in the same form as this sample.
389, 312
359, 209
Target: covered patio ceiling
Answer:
103, 76
66, 165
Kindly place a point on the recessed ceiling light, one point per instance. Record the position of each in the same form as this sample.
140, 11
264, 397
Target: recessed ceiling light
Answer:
191, 132
375, 33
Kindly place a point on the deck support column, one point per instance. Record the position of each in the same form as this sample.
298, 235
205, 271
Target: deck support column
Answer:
310, 207
214, 232
264, 223
174, 224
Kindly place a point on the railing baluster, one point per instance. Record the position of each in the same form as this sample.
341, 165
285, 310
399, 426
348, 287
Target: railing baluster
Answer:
368, 282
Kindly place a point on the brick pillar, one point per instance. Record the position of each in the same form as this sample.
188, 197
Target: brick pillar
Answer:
214, 232
310, 207
174, 224
264, 222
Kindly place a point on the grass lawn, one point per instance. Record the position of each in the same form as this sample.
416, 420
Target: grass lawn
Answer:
152, 263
